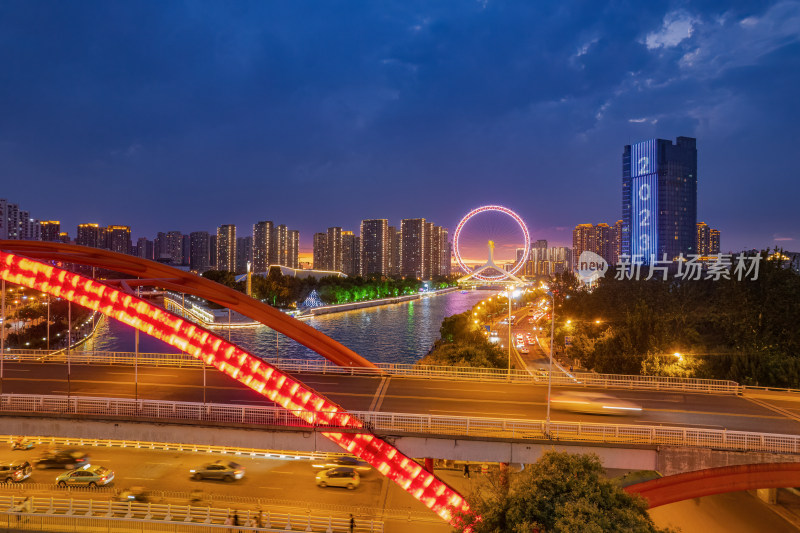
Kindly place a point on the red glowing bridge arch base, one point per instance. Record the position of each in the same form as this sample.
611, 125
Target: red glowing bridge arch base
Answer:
345, 430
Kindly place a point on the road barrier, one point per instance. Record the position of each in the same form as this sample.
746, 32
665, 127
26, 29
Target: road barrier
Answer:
405, 423
301, 366
52, 514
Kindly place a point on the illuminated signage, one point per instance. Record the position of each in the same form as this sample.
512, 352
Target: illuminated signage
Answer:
644, 200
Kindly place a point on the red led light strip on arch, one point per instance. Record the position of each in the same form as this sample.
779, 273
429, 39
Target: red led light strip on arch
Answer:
300, 400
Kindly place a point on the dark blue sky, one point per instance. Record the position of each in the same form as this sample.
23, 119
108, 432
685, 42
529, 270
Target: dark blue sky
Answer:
186, 115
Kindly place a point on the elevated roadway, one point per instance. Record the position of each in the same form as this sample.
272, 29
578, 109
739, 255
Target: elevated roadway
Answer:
406, 395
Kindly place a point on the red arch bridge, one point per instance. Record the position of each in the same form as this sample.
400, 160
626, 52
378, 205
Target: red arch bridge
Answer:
346, 431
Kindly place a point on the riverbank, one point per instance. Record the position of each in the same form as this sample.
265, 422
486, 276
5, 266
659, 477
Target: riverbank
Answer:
220, 318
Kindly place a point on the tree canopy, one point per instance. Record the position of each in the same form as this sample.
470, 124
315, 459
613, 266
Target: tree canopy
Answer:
560, 493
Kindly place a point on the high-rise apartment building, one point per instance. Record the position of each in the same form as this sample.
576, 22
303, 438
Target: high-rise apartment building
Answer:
320, 253
445, 253
583, 239
374, 247
244, 253
89, 235
616, 242
603, 241
144, 248
50, 230
262, 245
174, 245
395, 247
118, 239
226, 247
280, 245
63, 237
707, 240
293, 248
333, 249
413, 247
199, 252
659, 199
350, 253
9, 219
212, 251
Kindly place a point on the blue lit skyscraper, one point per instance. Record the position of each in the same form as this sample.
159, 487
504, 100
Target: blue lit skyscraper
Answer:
659, 198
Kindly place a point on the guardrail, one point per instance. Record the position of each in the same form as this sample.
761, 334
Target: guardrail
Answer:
38, 512
316, 366
406, 423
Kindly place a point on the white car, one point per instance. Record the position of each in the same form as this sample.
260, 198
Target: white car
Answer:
595, 403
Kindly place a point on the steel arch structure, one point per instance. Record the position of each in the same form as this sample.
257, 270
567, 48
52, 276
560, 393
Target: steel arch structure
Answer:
345, 430
671, 489
151, 273
497, 209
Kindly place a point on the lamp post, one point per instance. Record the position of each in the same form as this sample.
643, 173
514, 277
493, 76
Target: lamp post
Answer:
552, 336
511, 294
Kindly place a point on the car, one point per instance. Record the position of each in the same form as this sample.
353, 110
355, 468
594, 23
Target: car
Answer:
218, 470
69, 459
86, 476
15, 471
596, 403
524, 350
360, 466
133, 494
343, 476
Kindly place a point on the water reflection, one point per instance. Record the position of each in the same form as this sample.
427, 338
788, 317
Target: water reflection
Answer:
399, 333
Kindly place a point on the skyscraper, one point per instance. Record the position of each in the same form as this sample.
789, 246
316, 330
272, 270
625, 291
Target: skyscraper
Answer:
244, 253
616, 242
333, 249
659, 199
707, 240
199, 253
320, 256
603, 241
293, 248
174, 247
374, 247
262, 245
226, 247
414, 247
350, 253
279, 245
583, 239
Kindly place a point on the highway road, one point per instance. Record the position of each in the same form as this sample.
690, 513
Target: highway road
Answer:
283, 486
289, 487
402, 395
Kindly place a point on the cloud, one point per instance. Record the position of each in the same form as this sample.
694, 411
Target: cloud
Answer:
678, 26
783, 239
731, 42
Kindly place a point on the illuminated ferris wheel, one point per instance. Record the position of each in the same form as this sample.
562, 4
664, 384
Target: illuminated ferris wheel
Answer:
503, 231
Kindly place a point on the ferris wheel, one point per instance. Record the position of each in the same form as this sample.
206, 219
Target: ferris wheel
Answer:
499, 227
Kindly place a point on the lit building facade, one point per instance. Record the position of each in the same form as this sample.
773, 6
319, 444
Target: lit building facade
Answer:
659, 199
226, 247
89, 235
262, 245
374, 247
118, 239
50, 230
199, 251
413, 247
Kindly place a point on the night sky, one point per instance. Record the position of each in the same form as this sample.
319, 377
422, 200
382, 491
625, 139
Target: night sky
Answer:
167, 115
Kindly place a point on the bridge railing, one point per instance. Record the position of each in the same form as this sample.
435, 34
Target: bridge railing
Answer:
317, 366
406, 423
49, 514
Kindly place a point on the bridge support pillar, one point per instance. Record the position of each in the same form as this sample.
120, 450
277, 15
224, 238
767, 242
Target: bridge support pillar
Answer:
429, 464
768, 495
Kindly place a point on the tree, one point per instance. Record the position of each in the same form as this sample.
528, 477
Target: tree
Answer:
561, 492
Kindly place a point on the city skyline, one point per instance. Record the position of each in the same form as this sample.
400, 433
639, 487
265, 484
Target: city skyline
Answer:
280, 102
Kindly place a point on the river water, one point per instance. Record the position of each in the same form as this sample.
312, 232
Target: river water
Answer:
396, 333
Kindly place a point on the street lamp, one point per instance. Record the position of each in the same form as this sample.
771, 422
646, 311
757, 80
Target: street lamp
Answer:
552, 336
511, 294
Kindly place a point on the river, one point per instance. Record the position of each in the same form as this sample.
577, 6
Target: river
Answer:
396, 333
